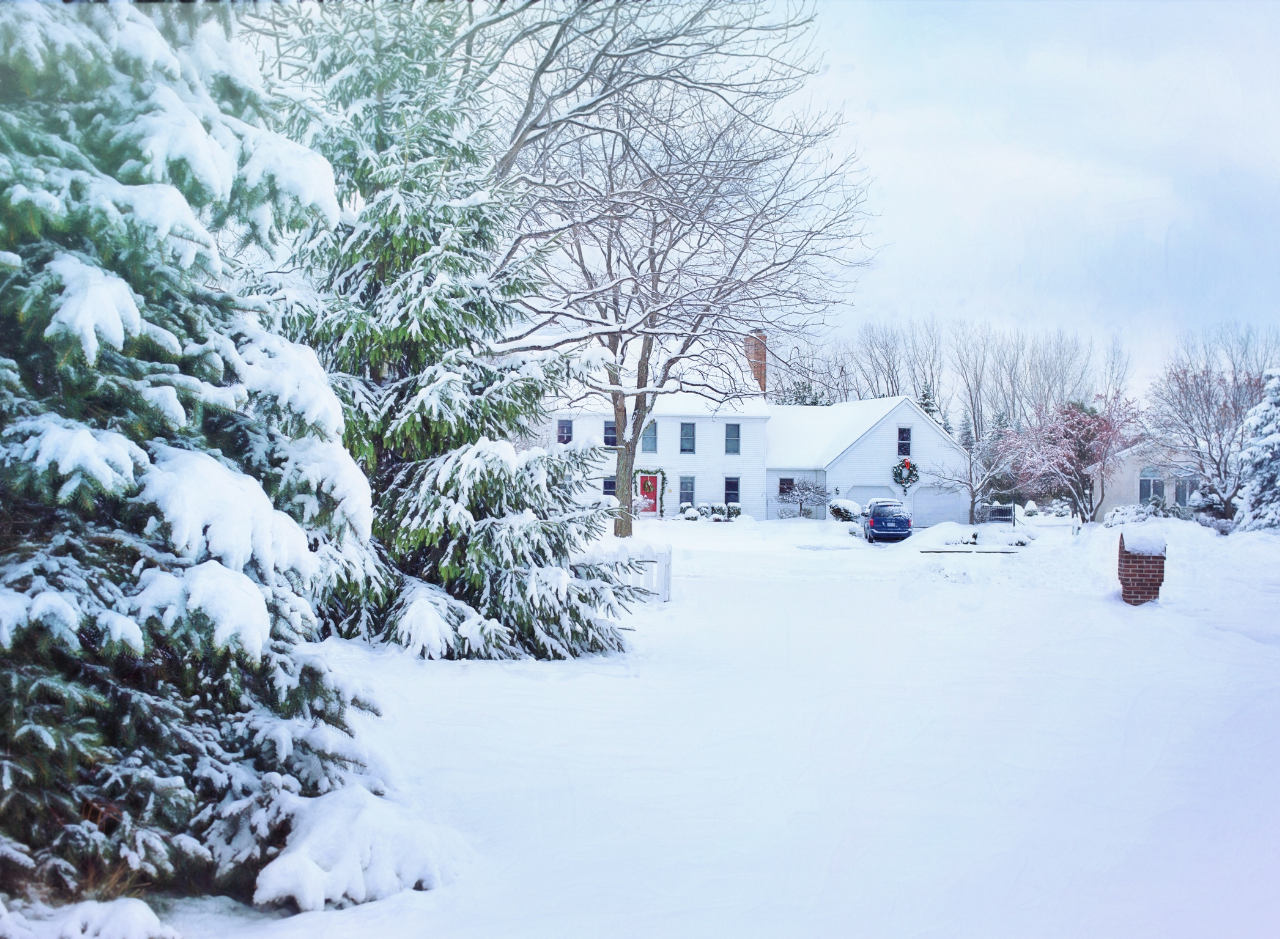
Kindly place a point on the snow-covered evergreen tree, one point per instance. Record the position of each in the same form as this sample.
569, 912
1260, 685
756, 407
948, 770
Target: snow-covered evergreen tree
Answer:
1261, 499
413, 309
928, 403
174, 493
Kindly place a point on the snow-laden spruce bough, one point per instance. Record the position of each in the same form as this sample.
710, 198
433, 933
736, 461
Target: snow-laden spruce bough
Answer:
180, 521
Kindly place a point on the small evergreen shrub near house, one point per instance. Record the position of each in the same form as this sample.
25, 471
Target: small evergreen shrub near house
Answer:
1152, 508
690, 514
843, 510
733, 510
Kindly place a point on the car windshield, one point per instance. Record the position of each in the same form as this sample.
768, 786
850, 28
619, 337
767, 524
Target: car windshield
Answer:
888, 511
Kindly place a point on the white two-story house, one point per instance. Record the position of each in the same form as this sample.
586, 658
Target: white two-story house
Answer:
752, 452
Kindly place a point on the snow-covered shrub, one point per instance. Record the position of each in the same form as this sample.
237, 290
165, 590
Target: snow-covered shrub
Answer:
788, 512
717, 517
844, 510
174, 493
733, 510
1152, 508
690, 514
410, 306
1260, 503
719, 508
1058, 508
685, 507
1030, 509
704, 509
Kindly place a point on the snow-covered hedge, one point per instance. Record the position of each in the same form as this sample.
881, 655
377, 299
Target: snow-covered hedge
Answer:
1153, 508
844, 510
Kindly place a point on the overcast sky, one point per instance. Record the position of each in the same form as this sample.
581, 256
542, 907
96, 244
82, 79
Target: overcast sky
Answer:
1096, 166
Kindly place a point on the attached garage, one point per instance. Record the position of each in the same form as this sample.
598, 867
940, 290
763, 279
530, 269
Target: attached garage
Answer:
931, 505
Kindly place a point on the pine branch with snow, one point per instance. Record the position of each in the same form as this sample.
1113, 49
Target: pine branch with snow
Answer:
1260, 506
411, 304
174, 493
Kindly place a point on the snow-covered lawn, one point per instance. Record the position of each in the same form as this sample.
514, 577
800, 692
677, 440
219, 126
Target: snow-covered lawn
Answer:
819, 737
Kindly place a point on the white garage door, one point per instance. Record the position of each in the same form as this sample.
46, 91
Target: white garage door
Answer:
932, 505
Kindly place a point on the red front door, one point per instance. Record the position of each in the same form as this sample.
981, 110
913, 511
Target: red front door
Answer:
648, 495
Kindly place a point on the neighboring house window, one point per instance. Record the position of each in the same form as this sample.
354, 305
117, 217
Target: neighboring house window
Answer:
649, 439
1150, 485
686, 490
564, 431
1180, 491
904, 441
731, 489
611, 485
687, 439
785, 485
732, 438
610, 433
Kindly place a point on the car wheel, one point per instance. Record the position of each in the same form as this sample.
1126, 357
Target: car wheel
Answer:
871, 539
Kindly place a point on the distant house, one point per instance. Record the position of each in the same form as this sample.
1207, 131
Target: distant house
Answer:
751, 452
1141, 473
691, 451
852, 449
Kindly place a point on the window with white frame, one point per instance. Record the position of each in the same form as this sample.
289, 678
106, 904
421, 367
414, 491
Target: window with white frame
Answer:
649, 438
564, 431
1150, 484
732, 489
732, 438
610, 433
904, 441
686, 490
611, 485
688, 438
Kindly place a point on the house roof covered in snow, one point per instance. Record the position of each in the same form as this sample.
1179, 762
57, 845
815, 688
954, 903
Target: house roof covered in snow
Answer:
685, 404
801, 437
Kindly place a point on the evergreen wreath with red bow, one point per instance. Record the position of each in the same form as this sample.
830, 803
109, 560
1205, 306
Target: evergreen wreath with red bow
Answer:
905, 474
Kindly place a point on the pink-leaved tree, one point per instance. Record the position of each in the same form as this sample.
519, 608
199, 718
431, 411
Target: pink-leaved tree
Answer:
1074, 449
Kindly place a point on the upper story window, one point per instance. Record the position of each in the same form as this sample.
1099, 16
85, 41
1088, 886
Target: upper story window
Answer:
1150, 484
785, 485
904, 441
732, 438
649, 438
564, 431
610, 433
688, 438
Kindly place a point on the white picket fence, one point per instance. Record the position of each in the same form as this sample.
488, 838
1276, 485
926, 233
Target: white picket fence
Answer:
654, 574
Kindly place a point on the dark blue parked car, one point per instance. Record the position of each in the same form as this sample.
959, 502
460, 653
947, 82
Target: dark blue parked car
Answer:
883, 520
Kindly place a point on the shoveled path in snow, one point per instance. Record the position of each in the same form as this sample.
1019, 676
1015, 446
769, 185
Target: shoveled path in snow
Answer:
818, 737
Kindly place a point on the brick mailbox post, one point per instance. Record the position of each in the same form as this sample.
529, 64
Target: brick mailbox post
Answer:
1141, 566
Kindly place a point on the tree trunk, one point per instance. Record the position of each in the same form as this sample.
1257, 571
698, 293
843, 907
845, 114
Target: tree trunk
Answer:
973, 507
622, 525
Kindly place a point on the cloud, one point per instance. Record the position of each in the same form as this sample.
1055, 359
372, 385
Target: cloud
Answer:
1095, 166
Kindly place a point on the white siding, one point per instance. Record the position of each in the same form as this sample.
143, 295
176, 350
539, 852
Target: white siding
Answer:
709, 465
865, 470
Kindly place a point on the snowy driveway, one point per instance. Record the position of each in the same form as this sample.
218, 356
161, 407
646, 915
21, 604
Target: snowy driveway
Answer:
821, 738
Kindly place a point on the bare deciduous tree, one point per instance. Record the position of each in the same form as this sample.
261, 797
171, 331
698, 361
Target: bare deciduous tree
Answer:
1199, 404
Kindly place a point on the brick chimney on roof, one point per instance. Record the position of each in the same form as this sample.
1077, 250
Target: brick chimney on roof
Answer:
756, 350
